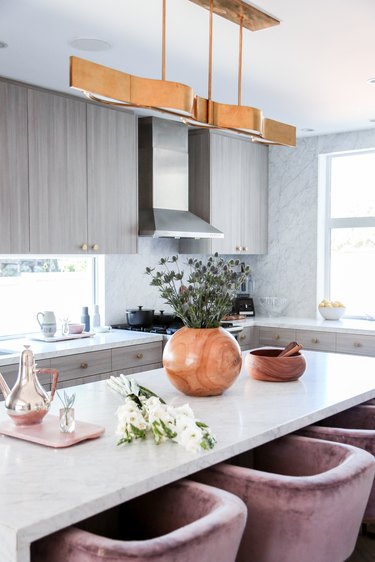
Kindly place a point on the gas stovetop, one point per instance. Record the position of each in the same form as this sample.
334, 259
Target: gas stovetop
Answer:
153, 329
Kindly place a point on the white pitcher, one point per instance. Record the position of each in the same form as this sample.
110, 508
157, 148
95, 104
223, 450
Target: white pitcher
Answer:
48, 323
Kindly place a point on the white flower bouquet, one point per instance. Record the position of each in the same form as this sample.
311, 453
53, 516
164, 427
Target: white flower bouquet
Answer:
143, 413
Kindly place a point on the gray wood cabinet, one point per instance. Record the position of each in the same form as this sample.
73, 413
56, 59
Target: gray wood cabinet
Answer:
14, 195
10, 374
82, 176
249, 337
57, 173
228, 187
112, 181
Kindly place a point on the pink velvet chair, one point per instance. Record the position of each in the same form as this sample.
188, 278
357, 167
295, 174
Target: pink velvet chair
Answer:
355, 426
305, 498
183, 522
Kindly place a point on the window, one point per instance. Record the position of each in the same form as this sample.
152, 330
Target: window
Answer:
350, 231
28, 286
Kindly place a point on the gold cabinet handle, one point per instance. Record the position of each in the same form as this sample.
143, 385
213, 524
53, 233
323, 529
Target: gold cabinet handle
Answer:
242, 337
95, 247
84, 247
245, 248
314, 340
276, 337
139, 355
238, 248
357, 344
84, 365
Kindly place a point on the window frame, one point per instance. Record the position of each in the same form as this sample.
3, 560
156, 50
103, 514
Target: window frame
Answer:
331, 223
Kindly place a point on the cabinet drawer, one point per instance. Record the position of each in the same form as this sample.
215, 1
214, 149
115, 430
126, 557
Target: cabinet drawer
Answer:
249, 337
83, 380
276, 336
134, 355
82, 364
322, 341
358, 345
10, 373
137, 369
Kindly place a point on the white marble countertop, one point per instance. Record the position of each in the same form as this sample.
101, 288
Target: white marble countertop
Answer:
348, 326
46, 350
43, 489
120, 338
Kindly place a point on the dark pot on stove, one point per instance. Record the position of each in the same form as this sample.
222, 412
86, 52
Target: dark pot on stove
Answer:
164, 318
140, 316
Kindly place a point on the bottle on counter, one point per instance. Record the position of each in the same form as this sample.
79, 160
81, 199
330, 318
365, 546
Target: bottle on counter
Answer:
85, 318
96, 317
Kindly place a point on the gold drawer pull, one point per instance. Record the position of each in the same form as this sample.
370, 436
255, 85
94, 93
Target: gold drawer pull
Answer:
245, 248
314, 340
242, 337
95, 247
357, 344
276, 337
84, 247
139, 355
84, 365
238, 248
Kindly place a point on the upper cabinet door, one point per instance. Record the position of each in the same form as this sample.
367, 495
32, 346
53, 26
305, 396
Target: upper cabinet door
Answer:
112, 181
14, 196
225, 193
254, 198
57, 173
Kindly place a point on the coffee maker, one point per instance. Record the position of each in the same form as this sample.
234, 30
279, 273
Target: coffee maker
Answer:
244, 303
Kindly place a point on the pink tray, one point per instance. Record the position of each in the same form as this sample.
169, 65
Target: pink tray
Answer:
48, 432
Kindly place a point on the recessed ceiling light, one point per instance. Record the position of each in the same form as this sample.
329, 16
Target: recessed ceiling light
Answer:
88, 44
371, 81
3, 45
307, 130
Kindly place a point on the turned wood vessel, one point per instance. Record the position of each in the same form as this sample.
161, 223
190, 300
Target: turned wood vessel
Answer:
202, 361
267, 365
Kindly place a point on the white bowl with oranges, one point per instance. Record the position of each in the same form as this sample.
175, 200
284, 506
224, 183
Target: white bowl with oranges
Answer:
331, 310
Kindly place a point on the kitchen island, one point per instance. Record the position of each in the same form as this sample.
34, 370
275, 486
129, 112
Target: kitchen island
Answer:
44, 489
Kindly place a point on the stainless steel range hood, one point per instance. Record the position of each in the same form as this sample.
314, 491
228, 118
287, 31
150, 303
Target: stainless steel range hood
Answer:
163, 165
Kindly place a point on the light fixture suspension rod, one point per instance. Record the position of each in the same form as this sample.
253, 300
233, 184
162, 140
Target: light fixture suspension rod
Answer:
164, 25
240, 61
210, 52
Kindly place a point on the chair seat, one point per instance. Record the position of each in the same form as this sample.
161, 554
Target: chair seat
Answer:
356, 427
305, 498
183, 522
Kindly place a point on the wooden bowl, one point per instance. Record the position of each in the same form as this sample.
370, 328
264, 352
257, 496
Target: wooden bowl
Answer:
265, 365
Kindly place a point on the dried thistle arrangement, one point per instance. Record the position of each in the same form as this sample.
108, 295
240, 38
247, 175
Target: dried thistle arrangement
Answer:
204, 294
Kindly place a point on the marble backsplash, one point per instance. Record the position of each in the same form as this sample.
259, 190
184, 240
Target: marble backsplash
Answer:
289, 269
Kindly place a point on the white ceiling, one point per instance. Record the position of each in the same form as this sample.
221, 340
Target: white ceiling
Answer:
310, 71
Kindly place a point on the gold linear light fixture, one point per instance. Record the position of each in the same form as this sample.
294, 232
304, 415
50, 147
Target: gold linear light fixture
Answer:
113, 87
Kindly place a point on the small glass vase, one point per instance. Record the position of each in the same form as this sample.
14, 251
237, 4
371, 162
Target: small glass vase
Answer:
67, 420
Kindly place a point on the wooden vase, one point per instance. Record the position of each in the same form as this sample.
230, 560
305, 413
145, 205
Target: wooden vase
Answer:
202, 361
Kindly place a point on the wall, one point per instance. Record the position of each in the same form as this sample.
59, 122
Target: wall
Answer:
290, 267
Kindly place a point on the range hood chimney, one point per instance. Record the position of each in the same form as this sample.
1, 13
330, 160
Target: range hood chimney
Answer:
163, 166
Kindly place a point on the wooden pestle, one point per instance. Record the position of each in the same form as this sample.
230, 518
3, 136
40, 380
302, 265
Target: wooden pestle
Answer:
290, 349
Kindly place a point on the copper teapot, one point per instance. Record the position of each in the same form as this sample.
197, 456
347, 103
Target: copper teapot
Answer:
27, 403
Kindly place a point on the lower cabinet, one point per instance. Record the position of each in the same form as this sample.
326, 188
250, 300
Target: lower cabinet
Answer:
135, 358
10, 374
356, 345
249, 338
79, 368
279, 337
320, 341
94, 366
